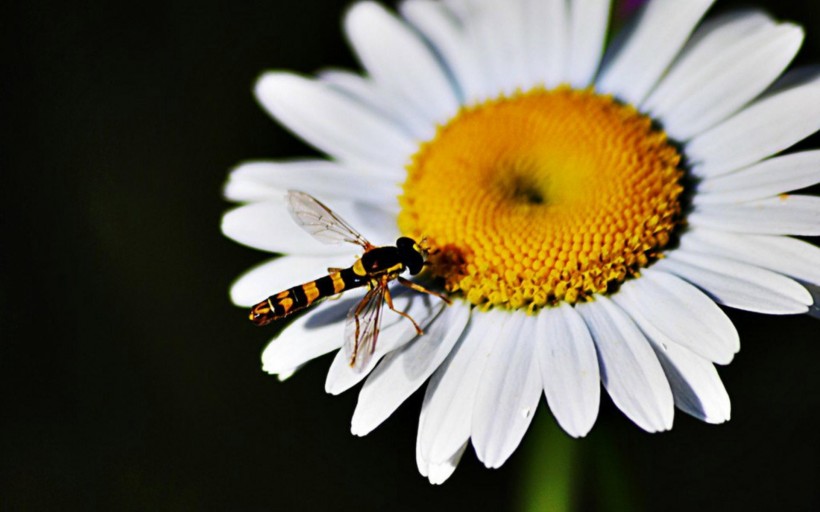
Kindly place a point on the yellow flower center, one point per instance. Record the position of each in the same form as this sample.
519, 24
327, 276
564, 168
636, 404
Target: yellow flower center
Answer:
542, 197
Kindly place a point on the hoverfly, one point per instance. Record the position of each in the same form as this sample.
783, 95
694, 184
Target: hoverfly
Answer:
376, 268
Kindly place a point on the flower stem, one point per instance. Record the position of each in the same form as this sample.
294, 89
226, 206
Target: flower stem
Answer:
611, 473
550, 472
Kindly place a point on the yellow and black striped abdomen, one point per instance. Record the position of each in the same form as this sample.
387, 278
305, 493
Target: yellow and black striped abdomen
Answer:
295, 299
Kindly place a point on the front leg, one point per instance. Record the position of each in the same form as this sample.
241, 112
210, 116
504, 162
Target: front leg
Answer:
420, 288
389, 299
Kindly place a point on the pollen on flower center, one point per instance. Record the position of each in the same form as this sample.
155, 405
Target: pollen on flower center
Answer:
542, 197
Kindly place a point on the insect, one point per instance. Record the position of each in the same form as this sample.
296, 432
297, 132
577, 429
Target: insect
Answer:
376, 268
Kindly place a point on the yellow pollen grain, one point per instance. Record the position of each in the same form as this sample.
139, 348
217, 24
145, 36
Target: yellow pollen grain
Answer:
542, 197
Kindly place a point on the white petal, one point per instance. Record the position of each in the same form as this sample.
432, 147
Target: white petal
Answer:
463, 13
508, 393
496, 29
765, 179
668, 309
477, 20
396, 332
717, 34
814, 310
434, 20
333, 121
449, 400
546, 41
722, 71
379, 99
662, 30
630, 371
398, 60
402, 372
588, 20
782, 215
316, 333
508, 24
260, 181
422, 463
784, 255
766, 127
286, 374
377, 224
695, 383
268, 226
461, 9
738, 285
569, 368
278, 275
438, 473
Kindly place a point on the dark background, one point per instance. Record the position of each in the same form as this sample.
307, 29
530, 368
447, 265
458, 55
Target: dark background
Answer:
129, 381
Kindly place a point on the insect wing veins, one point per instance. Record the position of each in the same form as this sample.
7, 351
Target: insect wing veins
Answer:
362, 328
321, 222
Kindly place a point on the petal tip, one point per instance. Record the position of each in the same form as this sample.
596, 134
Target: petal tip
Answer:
359, 427
576, 431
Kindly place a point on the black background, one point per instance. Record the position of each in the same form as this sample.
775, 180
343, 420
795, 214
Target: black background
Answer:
129, 381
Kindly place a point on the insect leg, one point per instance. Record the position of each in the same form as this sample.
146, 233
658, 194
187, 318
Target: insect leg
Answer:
389, 299
420, 288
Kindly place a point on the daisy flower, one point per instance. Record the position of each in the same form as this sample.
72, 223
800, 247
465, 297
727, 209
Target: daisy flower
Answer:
590, 208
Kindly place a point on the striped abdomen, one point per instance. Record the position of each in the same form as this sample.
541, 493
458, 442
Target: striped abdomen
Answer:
299, 297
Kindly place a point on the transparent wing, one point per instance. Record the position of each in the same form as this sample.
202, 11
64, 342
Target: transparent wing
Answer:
362, 328
320, 221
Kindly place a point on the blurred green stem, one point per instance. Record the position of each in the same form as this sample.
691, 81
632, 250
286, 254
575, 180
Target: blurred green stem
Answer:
612, 476
559, 468
551, 468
